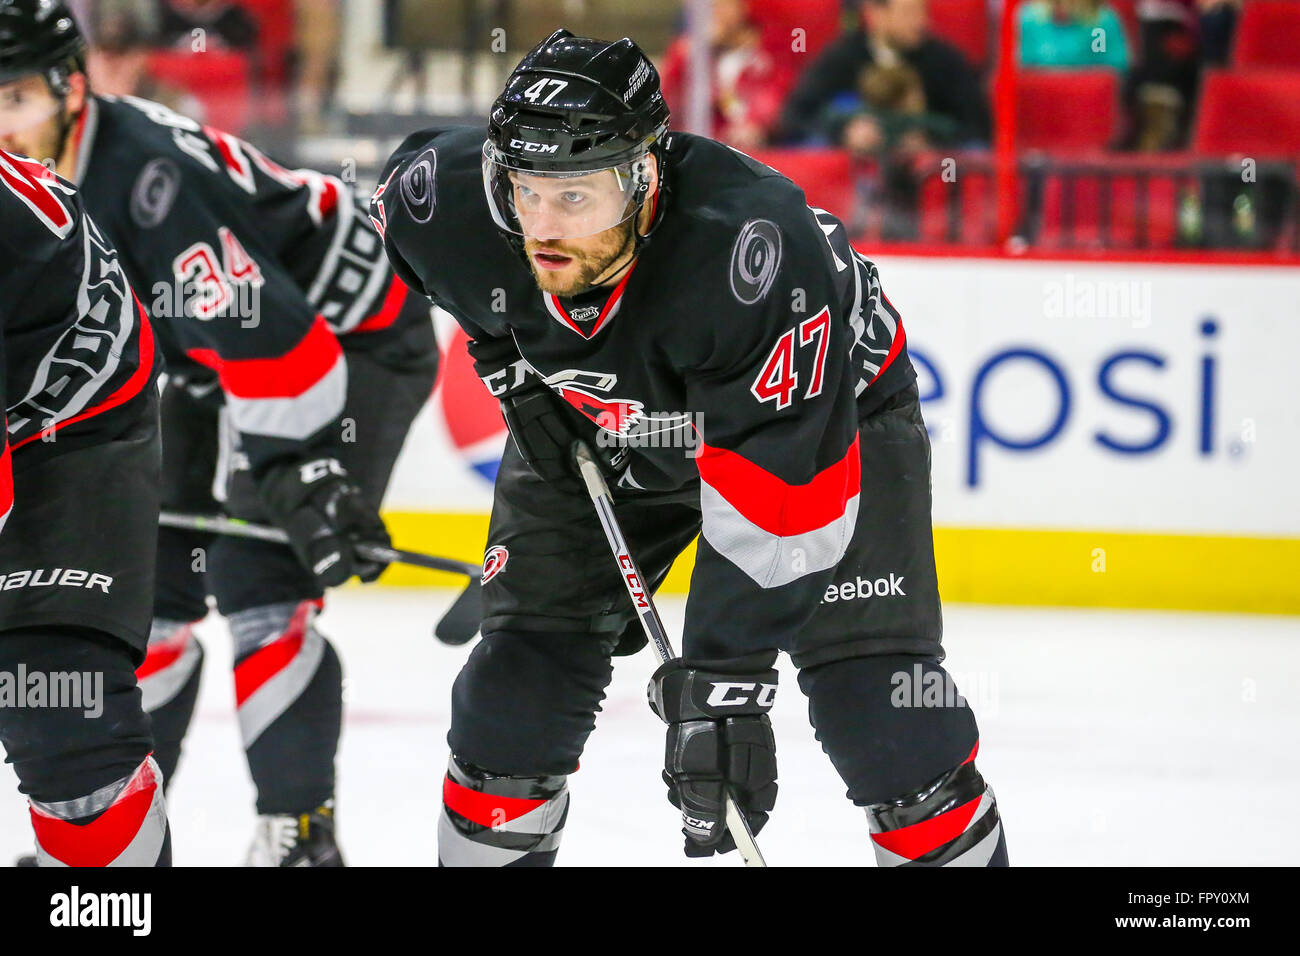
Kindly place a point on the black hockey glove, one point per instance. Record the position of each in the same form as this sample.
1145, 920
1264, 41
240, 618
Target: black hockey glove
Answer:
719, 737
544, 427
325, 516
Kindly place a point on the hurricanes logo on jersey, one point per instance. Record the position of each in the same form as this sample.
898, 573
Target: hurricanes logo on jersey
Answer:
582, 390
494, 562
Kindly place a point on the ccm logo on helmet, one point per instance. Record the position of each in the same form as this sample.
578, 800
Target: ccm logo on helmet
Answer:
736, 694
528, 147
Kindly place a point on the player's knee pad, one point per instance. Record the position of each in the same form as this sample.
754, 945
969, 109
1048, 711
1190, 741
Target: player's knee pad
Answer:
79, 742
951, 821
883, 730
123, 823
491, 820
526, 701
280, 659
73, 722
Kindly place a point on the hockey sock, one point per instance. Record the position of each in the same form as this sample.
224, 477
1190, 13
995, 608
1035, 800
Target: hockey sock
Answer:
121, 824
169, 684
953, 821
289, 691
907, 758
488, 820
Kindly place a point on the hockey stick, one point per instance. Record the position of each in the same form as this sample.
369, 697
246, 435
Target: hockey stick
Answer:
457, 626
638, 590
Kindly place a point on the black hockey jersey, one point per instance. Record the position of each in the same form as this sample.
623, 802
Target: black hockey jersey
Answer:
250, 271
77, 354
737, 357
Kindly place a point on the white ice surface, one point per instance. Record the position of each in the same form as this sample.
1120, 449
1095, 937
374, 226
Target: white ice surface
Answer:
1110, 738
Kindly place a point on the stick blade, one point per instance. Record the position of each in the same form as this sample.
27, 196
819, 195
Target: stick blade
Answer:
460, 624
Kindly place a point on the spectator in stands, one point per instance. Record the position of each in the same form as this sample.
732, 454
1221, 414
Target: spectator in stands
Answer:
889, 115
1218, 20
121, 34
892, 31
1072, 34
1162, 90
224, 24
747, 86
319, 35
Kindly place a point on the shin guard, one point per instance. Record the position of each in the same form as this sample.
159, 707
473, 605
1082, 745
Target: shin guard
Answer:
500, 821
121, 824
953, 821
289, 692
169, 687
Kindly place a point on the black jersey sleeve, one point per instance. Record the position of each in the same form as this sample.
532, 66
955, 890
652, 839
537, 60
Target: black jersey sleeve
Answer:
428, 209
777, 420
219, 279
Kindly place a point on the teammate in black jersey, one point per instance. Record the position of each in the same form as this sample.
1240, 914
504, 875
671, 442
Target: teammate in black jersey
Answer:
678, 306
79, 460
297, 361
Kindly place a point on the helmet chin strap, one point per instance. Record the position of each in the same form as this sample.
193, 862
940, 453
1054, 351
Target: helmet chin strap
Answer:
637, 241
619, 262
66, 125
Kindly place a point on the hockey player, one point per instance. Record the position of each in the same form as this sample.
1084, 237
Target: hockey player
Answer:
679, 307
79, 460
297, 363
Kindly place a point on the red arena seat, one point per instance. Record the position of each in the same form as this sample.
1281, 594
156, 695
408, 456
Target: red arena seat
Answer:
1268, 35
1249, 111
1066, 110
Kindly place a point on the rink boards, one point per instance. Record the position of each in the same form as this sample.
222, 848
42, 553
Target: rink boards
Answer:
1108, 434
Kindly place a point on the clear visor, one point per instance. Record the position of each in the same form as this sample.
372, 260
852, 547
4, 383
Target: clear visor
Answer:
23, 109
555, 205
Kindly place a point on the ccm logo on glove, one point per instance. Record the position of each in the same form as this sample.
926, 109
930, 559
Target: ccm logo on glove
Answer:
729, 694
313, 471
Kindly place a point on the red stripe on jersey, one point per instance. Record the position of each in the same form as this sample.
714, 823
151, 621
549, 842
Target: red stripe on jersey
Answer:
974, 751
920, 838
774, 505
101, 841
141, 378
288, 376
485, 809
30, 181
6, 474
329, 197
388, 311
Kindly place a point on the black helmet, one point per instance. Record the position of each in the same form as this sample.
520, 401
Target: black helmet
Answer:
575, 106
575, 103
40, 37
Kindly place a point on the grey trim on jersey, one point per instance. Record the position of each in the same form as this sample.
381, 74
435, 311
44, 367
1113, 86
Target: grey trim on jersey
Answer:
87, 143
93, 337
346, 255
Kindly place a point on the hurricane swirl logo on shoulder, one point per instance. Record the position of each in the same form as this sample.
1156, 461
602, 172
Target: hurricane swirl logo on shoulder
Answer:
754, 260
155, 192
494, 562
418, 185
